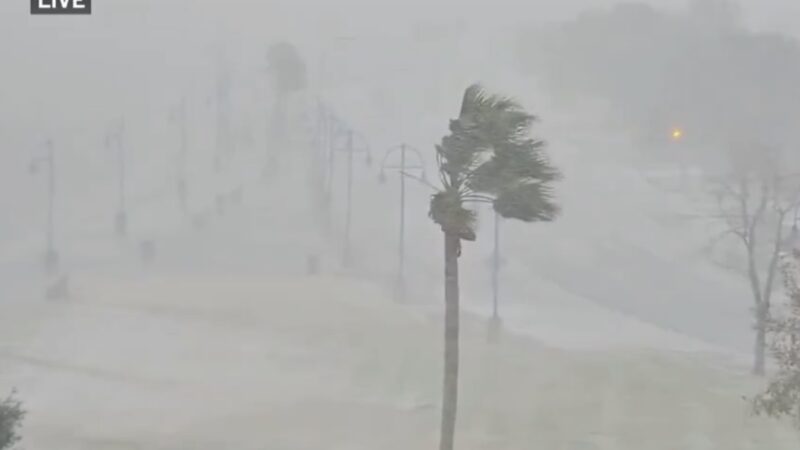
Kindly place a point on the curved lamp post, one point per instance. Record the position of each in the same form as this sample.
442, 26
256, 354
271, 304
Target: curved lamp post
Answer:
403, 168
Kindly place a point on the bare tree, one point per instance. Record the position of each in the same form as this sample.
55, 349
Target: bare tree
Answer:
754, 203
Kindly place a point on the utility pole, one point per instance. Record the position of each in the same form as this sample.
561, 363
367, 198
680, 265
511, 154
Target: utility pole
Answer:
403, 169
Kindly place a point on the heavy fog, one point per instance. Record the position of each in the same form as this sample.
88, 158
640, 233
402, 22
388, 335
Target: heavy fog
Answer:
400, 224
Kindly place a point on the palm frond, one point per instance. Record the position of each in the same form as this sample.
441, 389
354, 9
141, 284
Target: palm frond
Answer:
489, 156
527, 202
478, 103
522, 162
440, 163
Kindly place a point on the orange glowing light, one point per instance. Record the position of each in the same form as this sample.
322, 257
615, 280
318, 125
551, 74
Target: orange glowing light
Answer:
677, 134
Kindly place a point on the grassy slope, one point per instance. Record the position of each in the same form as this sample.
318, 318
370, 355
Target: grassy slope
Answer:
244, 363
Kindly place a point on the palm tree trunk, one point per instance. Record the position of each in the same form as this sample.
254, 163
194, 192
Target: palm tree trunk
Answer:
451, 324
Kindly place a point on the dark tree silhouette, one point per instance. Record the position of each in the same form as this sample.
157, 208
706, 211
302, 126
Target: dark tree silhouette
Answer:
11, 416
288, 75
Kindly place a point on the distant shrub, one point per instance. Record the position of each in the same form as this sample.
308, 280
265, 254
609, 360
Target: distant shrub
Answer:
11, 415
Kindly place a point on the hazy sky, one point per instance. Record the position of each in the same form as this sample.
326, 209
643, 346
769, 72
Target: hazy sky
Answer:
136, 51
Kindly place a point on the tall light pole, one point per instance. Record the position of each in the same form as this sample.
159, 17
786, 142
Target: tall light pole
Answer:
350, 149
403, 168
495, 323
51, 259
496, 268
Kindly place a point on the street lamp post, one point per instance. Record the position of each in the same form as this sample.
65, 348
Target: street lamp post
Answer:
403, 169
495, 322
51, 259
350, 149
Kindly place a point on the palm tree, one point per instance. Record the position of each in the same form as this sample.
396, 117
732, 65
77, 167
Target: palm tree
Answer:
488, 157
